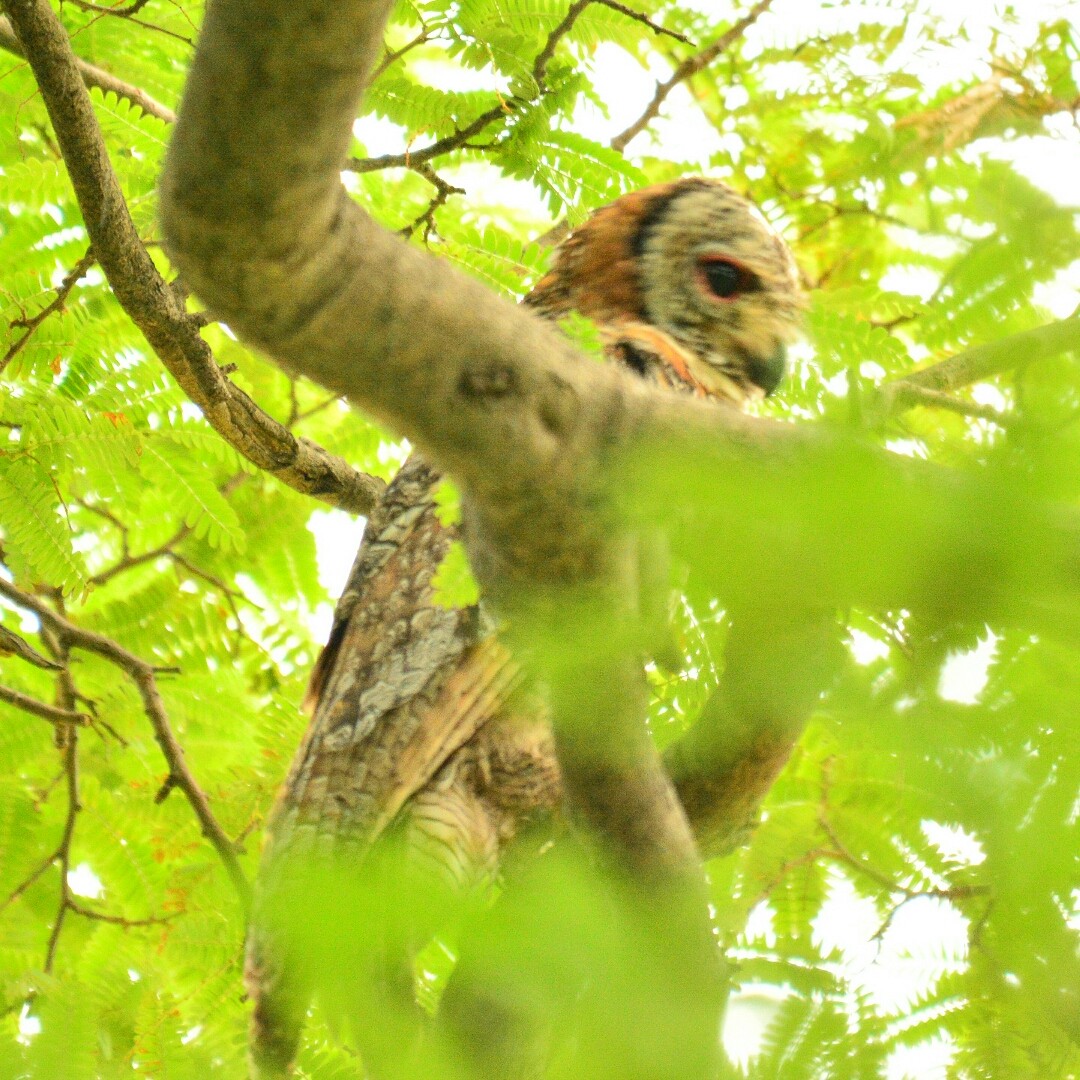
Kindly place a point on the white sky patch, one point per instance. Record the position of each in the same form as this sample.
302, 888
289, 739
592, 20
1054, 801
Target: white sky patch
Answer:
906, 447
29, 1026
378, 136
750, 1011
964, 674
1051, 162
337, 539
1061, 296
929, 1060
864, 648
985, 394
82, 881
955, 844
918, 281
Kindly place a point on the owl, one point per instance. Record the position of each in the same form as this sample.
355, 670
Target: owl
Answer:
416, 727
688, 286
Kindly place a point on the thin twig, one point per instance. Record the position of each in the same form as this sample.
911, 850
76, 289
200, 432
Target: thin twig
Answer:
123, 12
30, 879
56, 304
412, 158
544, 56
96, 9
70, 751
143, 675
396, 54
841, 853
461, 137
686, 70
119, 920
95, 76
128, 561
443, 191
52, 713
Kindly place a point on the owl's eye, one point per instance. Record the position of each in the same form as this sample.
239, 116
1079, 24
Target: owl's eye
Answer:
725, 279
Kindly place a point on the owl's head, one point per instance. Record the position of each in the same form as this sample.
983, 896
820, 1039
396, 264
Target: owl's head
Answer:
695, 261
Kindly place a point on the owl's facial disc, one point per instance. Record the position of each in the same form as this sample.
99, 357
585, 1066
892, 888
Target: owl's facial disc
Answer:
717, 278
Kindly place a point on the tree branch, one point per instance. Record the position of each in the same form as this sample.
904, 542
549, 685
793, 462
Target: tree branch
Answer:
95, 76
68, 741
13, 645
142, 675
51, 713
31, 324
776, 665
412, 158
985, 361
932, 386
687, 70
460, 138
30, 878
145, 296
532, 430
567, 24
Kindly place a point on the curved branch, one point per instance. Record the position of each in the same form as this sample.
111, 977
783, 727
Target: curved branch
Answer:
254, 209
153, 306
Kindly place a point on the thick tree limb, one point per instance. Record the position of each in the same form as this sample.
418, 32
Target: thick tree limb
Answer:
254, 209
152, 305
775, 667
258, 222
500, 399
143, 675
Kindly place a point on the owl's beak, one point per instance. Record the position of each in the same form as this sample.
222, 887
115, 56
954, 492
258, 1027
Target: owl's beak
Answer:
769, 372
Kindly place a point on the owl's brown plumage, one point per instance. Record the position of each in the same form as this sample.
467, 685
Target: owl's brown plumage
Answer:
414, 729
688, 285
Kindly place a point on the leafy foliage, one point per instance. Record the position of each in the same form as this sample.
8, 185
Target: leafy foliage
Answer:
909, 905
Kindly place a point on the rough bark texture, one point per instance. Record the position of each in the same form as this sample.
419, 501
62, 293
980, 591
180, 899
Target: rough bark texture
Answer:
420, 727
415, 728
